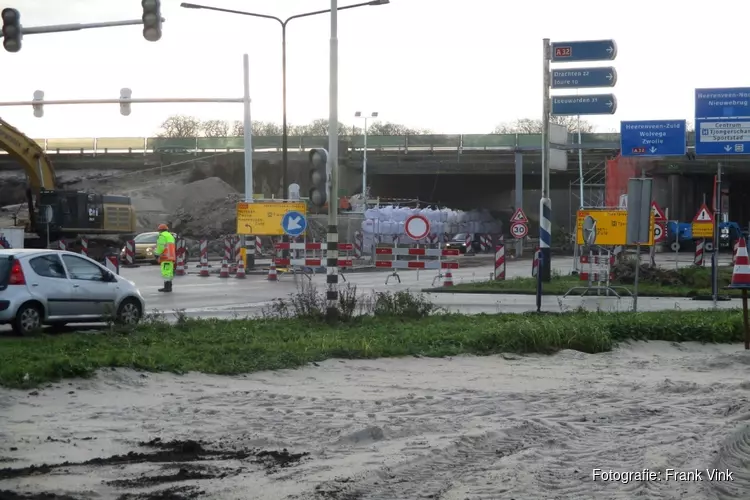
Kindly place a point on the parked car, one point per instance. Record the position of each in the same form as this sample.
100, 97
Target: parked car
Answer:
458, 242
53, 287
145, 246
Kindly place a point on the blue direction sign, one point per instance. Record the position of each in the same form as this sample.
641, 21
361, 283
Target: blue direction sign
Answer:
588, 50
722, 121
293, 223
595, 104
653, 138
580, 78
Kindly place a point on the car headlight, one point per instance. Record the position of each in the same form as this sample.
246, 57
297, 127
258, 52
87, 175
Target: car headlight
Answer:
149, 251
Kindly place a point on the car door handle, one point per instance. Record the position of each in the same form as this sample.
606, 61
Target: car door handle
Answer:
75, 286
35, 284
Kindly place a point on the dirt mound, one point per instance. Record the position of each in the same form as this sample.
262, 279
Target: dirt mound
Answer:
202, 209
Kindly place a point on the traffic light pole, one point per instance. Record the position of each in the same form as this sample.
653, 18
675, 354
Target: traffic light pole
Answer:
157, 100
61, 28
332, 241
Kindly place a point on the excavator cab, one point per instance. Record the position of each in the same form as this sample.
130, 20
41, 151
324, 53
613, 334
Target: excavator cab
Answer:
66, 213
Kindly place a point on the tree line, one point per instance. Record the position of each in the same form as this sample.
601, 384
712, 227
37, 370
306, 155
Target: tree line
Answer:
190, 126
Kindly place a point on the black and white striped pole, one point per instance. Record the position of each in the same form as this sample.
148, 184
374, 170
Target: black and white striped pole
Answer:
332, 239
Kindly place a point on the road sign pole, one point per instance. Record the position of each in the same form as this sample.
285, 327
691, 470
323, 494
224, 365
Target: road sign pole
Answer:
519, 196
332, 243
545, 204
717, 220
247, 126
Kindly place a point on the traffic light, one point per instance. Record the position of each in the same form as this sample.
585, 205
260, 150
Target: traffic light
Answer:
318, 176
151, 20
12, 30
125, 95
38, 108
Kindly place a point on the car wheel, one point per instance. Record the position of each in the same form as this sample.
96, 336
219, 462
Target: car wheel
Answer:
28, 319
129, 312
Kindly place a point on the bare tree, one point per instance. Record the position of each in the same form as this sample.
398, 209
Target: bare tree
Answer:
529, 126
215, 128
237, 129
180, 126
266, 128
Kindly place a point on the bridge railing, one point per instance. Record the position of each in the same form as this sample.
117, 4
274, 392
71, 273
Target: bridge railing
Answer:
454, 142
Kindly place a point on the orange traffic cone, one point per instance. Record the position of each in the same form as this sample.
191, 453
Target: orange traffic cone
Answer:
224, 271
741, 272
240, 270
205, 271
272, 272
179, 269
448, 281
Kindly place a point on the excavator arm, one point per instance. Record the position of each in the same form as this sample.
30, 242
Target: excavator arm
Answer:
30, 155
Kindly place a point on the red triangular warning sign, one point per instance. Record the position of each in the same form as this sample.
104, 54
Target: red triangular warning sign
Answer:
703, 215
519, 216
658, 212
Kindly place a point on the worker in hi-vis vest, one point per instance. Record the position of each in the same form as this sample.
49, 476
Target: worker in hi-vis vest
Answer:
166, 249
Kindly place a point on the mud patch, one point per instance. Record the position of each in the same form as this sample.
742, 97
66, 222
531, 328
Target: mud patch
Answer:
175, 493
180, 461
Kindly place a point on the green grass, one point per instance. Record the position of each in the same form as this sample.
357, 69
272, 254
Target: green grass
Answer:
683, 282
243, 346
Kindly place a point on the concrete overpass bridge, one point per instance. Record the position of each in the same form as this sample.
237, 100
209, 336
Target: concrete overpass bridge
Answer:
463, 170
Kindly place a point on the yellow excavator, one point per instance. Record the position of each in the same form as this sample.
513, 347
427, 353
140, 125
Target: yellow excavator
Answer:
62, 214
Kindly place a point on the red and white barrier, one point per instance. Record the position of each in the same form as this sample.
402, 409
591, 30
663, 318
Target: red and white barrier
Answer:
535, 263
204, 259
358, 241
484, 242
699, 254
236, 254
62, 244
500, 262
258, 246
112, 262
734, 251
85, 247
344, 261
180, 257
395, 252
598, 267
130, 253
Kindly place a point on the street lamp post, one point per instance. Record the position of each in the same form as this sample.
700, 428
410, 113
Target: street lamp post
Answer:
358, 114
283, 23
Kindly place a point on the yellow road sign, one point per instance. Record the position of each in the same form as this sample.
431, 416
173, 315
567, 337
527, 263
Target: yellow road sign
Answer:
264, 218
702, 230
611, 227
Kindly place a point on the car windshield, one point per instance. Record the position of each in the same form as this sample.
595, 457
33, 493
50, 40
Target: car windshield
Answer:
460, 237
147, 238
4, 270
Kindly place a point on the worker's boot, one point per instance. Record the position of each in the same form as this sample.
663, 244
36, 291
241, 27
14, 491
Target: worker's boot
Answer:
169, 286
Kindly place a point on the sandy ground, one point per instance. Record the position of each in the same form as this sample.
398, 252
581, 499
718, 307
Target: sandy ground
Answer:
500, 427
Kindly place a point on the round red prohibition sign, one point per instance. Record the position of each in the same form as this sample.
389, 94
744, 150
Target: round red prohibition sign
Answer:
519, 230
417, 227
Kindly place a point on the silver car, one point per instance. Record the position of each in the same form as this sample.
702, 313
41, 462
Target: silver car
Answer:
52, 287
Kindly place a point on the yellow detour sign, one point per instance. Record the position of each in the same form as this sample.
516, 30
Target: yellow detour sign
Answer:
264, 218
610, 227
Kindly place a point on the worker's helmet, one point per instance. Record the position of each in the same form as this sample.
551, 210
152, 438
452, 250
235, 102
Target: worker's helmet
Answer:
163, 227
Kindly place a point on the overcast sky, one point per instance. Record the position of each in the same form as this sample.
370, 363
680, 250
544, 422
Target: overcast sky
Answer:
448, 65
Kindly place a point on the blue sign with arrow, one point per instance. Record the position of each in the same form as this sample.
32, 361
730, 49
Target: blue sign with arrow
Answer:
653, 138
587, 50
722, 121
580, 78
595, 104
293, 223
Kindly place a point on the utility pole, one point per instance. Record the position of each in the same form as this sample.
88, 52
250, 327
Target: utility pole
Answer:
332, 241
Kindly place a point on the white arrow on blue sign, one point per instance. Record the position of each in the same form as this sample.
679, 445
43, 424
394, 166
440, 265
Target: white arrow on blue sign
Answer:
722, 121
653, 138
293, 223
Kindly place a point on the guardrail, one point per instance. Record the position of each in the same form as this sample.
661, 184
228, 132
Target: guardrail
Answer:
456, 142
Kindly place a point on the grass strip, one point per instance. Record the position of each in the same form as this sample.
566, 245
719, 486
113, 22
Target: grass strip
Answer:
683, 282
247, 345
